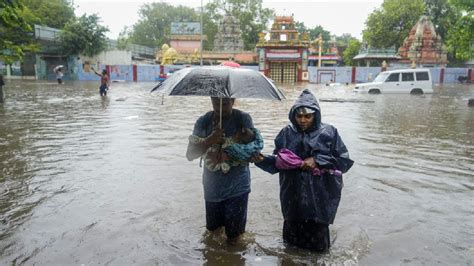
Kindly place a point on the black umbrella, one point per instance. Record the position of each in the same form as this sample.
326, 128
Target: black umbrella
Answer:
220, 81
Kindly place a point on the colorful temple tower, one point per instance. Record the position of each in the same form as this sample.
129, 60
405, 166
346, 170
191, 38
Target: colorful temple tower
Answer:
284, 57
423, 46
229, 35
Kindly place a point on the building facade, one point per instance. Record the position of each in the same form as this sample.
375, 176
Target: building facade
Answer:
284, 57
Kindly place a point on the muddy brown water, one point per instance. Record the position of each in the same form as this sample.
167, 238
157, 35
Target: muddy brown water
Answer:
91, 180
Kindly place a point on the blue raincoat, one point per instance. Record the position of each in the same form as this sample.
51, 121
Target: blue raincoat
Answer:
303, 196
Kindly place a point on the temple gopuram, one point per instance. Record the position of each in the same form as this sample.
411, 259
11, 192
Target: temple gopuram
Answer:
284, 57
228, 44
423, 46
229, 35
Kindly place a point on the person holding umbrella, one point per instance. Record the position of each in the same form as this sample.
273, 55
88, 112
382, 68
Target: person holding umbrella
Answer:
225, 194
59, 74
310, 157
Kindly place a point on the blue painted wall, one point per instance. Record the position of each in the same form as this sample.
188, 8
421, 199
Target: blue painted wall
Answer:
338, 74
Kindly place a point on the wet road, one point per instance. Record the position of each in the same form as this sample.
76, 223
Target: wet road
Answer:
85, 180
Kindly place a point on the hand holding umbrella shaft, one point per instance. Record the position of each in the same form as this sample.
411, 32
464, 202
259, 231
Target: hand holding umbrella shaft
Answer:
196, 150
216, 137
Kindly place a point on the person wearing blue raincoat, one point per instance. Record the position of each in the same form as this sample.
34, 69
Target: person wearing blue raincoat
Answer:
308, 202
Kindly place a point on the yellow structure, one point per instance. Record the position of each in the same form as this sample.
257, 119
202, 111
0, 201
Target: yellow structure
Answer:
169, 55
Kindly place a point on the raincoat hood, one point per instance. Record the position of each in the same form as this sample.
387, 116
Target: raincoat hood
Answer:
308, 100
307, 195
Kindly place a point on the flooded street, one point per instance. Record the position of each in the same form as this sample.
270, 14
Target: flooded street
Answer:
91, 180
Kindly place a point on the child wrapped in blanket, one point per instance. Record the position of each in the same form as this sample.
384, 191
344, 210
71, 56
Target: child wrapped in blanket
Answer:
236, 150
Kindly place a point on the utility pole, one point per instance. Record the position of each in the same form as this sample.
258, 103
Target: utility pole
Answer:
201, 30
320, 45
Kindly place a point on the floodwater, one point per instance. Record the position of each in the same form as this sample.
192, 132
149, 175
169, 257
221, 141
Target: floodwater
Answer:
86, 180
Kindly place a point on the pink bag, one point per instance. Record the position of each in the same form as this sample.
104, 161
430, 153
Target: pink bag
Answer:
287, 160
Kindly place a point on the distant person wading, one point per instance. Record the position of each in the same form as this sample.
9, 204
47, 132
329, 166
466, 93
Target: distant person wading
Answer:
104, 82
2, 93
59, 76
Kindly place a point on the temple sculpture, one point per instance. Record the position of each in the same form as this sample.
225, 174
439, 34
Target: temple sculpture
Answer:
423, 46
229, 35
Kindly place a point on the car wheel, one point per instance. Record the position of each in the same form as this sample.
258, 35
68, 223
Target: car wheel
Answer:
416, 91
374, 91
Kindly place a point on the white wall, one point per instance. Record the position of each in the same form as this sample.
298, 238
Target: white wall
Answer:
112, 57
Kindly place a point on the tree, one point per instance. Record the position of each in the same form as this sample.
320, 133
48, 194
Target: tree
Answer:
467, 5
344, 39
251, 14
300, 27
443, 15
84, 36
319, 30
342, 42
124, 40
51, 13
154, 25
389, 25
16, 34
210, 30
460, 37
351, 51
313, 33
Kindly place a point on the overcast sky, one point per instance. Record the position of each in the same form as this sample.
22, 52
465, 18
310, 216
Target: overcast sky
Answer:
336, 16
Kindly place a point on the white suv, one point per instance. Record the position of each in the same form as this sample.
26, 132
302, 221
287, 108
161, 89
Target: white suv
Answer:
414, 81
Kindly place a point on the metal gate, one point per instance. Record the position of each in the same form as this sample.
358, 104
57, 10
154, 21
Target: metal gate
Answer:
284, 72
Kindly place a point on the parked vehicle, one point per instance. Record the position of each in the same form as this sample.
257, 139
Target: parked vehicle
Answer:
414, 81
161, 77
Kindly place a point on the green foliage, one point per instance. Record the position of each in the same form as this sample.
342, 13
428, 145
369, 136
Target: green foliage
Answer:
453, 20
466, 5
300, 27
16, 34
351, 51
443, 15
51, 13
154, 25
460, 34
210, 30
124, 40
389, 25
319, 30
344, 39
84, 36
251, 14
342, 43
460, 39
313, 33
